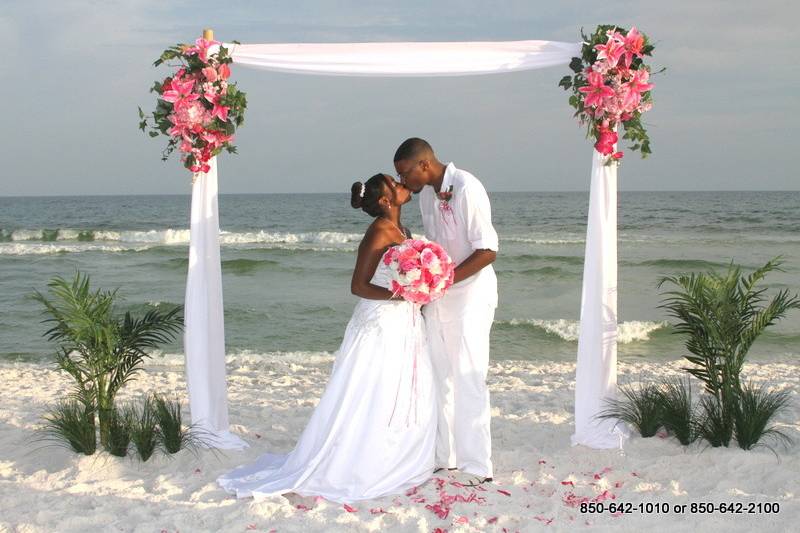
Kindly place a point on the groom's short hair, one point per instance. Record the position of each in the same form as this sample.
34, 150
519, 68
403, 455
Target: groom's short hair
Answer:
413, 148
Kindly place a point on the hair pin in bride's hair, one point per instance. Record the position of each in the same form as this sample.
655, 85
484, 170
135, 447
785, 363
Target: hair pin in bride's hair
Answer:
363, 190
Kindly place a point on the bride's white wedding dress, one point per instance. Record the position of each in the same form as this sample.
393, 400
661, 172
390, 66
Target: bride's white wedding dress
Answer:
373, 432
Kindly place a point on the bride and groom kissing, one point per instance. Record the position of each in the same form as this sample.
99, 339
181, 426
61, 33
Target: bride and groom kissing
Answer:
407, 394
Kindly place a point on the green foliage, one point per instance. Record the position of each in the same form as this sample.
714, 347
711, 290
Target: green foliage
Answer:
144, 429
173, 434
677, 412
715, 423
71, 423
756, 408
640, 408
721, 316
119, 432
99, 350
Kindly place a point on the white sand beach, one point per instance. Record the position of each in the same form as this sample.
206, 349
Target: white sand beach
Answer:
539, 484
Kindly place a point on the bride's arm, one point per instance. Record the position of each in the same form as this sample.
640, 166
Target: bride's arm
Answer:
370, 252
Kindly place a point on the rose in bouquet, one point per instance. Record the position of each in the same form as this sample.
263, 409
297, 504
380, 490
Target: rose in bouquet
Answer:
197, 108
611, 88
421, 270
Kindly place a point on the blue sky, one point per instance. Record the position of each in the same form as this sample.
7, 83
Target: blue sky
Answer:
74, 72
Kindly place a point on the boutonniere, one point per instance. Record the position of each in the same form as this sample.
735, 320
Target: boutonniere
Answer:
445, 196
444, 204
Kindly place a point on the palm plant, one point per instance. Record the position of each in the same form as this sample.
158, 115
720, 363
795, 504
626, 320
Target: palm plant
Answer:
722, 315
100, 350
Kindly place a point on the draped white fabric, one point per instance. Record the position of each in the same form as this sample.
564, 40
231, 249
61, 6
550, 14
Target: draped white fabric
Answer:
596, 369
204, 336
596, 373
404, 59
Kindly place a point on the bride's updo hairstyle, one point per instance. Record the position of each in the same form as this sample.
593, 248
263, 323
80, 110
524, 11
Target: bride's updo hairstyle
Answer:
366, 195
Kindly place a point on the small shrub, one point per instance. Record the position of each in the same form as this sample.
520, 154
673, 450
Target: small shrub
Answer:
677, 412
144, 429
173, 434
71, 423
641, 408
714, 424
119, 432
756, 409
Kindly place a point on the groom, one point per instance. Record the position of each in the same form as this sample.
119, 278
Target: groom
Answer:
456, 214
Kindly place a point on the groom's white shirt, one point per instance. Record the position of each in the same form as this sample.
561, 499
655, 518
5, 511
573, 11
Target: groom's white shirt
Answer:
466, 228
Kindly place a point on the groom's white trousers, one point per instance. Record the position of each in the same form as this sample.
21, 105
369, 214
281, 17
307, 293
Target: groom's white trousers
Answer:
460, 356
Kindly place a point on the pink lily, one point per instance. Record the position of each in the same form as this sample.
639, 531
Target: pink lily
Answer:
180, 90
611, 51
634, 42
596, 91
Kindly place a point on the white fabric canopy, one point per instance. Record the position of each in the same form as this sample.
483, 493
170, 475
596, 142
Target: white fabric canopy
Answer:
204, 337
404, 59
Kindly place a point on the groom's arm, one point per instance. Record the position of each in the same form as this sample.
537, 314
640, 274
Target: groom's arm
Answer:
474, 263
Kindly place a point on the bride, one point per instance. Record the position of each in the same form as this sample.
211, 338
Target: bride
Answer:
373, 431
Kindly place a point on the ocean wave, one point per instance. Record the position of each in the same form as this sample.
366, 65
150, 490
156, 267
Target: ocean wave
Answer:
569, 330
245, 358
38, 242
175, 236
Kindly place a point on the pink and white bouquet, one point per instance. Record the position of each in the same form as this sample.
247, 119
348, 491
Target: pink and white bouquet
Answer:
197, 108
421, 270
611, 87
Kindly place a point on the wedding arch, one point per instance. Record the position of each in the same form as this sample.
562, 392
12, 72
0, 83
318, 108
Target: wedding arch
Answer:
204, 338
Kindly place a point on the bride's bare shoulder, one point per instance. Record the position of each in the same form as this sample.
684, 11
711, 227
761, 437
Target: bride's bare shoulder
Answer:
378, 234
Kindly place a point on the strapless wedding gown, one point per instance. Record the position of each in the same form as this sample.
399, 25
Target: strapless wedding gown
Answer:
373, 432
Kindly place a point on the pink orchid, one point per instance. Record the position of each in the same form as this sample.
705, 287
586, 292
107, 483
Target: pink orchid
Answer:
180, 91
634, 42
596, 91
611, 51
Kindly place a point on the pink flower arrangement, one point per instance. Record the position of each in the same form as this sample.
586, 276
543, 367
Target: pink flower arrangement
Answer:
197, 107
421, 270
611, 88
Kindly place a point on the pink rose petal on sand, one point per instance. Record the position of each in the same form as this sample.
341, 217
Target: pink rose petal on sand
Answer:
504, 492
350, 509
491, 520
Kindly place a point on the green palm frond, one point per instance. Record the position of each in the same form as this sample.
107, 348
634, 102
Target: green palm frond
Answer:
98, 349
